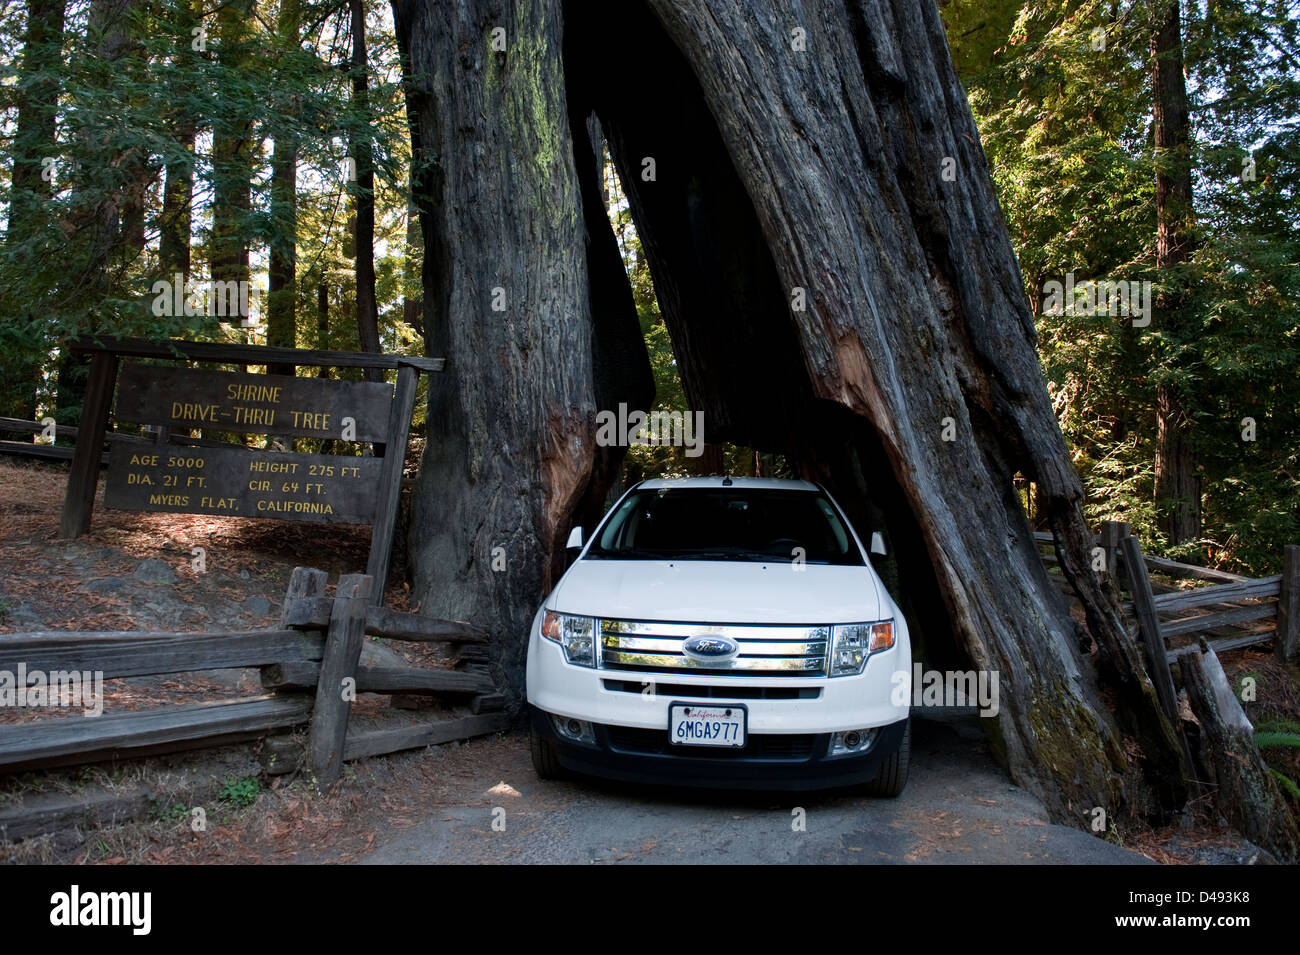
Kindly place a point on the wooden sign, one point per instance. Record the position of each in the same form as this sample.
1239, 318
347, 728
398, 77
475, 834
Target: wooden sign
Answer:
185, 398
178, 474
237, 482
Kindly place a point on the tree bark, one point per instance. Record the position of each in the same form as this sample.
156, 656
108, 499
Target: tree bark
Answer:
832, 293
232, 158
282, 273
1177, 484
178, 182
363, 193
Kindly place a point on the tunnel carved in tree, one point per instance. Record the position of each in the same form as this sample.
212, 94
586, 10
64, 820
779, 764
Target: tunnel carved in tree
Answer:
776, 169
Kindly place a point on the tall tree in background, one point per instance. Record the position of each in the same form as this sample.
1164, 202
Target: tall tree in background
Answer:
105, 175
282, 284
30, 188
363, 193
232, 154
1177, 483
178, 183
1063, 91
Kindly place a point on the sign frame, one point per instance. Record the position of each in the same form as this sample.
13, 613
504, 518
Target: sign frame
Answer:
106, 355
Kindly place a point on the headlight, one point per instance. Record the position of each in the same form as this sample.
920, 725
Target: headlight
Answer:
852, 643
575, 634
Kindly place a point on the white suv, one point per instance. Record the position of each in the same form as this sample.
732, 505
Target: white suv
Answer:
725, 632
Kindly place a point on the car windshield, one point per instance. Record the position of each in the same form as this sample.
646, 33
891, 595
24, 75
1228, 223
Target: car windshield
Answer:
726, 523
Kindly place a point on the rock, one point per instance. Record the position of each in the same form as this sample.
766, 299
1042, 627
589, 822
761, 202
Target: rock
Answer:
106, 585
154, 570
258, 605
377, 655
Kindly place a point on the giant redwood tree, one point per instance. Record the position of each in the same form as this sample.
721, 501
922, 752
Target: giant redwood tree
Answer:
838, 283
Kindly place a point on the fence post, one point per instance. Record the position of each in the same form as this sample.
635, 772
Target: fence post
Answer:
79, 499
329, 719
1287, 642
1111, 533
1144, 608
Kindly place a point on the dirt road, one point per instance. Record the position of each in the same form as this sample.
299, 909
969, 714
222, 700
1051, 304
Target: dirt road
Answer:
958, 807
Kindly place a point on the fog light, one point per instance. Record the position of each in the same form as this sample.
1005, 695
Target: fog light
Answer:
580, 731
852, 742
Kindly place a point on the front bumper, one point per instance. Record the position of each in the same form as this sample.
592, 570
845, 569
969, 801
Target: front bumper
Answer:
768, 761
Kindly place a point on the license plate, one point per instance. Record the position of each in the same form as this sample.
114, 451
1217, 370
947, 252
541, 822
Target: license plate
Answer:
692, 725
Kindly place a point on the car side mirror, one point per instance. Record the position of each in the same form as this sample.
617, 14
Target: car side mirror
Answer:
878, 544
573, 547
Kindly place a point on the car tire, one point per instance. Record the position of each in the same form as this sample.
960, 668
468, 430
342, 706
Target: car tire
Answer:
892, 776
545, 763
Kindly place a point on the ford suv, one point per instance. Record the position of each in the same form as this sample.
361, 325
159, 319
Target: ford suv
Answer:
723, 632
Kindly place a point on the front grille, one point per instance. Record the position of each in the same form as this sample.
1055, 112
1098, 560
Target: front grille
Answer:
762, 651
795, 746
701, 691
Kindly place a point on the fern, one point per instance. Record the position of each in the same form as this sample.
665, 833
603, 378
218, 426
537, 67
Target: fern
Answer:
1273, 740
1278, 726
1287, 783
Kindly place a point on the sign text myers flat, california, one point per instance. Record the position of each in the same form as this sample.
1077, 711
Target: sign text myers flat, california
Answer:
185, 398
243, 483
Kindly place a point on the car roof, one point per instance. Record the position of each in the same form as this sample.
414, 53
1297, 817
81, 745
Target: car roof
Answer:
781, 484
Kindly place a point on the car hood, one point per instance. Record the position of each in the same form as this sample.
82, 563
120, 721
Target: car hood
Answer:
720, 592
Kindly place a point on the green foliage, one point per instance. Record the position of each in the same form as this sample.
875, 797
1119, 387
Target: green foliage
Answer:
1274, 738
240, 793
1067, 129
1287, 783
164, 811
1277, 740
74, 265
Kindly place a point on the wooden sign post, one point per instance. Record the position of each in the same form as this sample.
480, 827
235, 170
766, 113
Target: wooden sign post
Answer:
179, 474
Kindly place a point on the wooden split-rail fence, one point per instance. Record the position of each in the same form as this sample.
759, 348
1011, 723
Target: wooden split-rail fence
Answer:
310, 666
1231, 612
1181, 631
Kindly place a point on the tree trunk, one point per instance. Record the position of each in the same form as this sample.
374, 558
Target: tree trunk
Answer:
97, 209
22, 361
282, 273
363, 192
1177, 485
178, 175
232, 159
839, 286
178, 198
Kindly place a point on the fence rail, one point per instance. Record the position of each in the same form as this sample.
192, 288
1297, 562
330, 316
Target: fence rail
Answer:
1218, 610
310, 665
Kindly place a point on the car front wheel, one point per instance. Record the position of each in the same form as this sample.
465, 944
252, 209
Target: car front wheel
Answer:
892, 777
544, 761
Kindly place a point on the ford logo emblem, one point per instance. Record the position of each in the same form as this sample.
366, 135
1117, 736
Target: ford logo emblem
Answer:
710, 648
